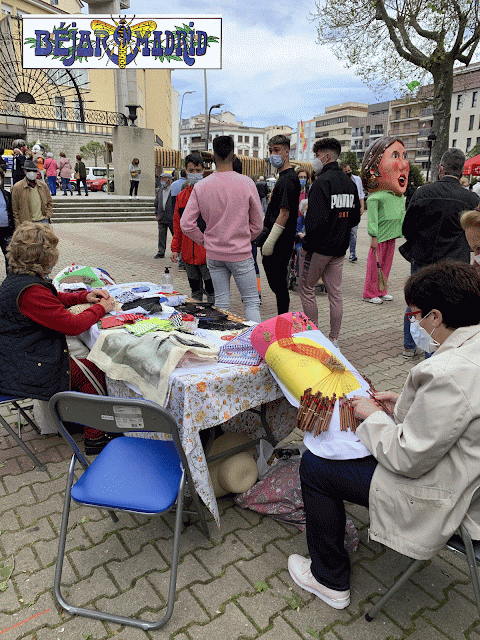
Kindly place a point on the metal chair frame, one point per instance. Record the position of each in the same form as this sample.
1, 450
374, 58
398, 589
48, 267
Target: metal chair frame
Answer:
96, 412
18, 438
460, 542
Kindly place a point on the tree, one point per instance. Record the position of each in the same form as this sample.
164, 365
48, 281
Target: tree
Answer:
429, 37
93, 149
415, 177
474, 152
350, 157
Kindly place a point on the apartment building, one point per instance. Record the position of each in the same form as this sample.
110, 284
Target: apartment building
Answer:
367, 129
465, 110
337, 121
301, 154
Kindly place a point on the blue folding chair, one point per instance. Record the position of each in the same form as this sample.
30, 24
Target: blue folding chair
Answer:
132, 474
4, 400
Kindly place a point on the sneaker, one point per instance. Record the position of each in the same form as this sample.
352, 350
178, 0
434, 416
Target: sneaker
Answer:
159, 255
353, 258
129, 197
373, 300
410, 353
299, 569
387, 297
334, 341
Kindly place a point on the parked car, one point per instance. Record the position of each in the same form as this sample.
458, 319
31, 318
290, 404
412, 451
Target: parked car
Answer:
99, 184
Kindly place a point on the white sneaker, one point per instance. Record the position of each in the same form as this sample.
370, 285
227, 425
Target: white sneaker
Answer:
334, 342
411, 353
387, 297
129, 197
299, 569
373, 300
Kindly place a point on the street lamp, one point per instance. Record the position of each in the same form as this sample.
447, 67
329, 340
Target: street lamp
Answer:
180, 123
215, 106
431, 142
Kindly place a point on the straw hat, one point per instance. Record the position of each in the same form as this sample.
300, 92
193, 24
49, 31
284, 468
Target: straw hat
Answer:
236, 474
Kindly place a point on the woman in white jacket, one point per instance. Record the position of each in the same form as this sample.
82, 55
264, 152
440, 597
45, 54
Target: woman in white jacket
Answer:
425, 463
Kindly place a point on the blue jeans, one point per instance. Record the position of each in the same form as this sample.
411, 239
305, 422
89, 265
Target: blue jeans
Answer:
325, 485
353, 241
408, 342
66, 184
52, 183
243, 273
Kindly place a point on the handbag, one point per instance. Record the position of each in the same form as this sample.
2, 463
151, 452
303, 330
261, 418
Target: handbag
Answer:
134, 174
76, 175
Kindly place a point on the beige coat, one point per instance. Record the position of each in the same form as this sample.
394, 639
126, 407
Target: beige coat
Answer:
429, 462
21, 201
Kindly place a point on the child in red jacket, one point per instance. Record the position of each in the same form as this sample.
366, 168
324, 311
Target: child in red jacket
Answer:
193, 254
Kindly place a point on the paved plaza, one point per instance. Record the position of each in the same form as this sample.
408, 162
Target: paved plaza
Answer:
235, 585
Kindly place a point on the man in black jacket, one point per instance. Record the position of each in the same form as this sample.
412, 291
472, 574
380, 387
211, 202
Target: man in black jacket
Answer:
333, 209
6, 218
164, 213
432, 224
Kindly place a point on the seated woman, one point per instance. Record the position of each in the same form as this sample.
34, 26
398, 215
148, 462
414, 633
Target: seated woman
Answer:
470, 221
34, 360
425, 464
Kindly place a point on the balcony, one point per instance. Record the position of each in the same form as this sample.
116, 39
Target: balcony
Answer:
426, 114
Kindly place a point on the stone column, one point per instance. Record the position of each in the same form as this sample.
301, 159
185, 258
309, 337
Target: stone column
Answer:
129, 143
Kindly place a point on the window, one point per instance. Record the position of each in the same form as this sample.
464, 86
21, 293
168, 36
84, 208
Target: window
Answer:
54, 2
247, 138
454, 143
457, 121
460, 101
240, 138
478, 141
408, 113
469, 144
77, 114
60, 112
474, 96
7, 9
397, 114
246, 152
255, 153
470, 124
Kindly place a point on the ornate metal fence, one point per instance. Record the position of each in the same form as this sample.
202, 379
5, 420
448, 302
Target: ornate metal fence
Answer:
62, 113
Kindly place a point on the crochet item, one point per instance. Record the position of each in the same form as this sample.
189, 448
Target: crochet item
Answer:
239, 350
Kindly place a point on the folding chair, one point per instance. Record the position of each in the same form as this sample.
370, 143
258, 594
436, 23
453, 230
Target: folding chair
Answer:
461, 542
137, 475
4, 400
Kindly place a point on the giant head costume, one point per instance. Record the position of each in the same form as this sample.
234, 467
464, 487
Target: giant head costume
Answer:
385, 166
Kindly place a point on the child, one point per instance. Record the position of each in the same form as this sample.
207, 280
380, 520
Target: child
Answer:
192, 254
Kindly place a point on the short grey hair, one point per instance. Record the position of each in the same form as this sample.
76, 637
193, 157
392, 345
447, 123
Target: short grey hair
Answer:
453, 161
49, 154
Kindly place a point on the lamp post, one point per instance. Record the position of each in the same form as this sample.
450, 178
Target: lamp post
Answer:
180, 123
215, 106
431, 142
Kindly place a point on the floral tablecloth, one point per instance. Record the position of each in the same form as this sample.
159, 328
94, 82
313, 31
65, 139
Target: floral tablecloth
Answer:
204, 396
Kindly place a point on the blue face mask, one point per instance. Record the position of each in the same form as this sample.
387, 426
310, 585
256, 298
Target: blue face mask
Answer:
276, 161
303, 182
194, 177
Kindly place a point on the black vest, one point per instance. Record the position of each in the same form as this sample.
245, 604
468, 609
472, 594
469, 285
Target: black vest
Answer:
34, 361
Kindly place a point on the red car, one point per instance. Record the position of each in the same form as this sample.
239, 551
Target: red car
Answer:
99, 184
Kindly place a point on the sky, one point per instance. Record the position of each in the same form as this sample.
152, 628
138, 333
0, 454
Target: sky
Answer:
273, 71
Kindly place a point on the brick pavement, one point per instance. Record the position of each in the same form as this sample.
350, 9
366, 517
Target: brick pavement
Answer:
124, 567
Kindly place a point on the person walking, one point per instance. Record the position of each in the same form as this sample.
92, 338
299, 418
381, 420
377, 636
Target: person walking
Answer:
262, 192
432, 226
333, 209
164, 212
51, 169
65, 169
17, 165
354, 230
135, 172
81, 175
384, 174
7, 226
278, 235
31, 198
229, 205
304, 187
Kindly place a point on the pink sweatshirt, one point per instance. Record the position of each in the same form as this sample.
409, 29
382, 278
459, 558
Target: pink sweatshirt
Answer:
230, 206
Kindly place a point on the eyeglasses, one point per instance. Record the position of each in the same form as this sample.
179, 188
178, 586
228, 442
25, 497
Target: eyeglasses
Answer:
410, 315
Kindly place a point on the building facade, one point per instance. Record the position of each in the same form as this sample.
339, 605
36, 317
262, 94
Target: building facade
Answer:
305, 154
337, 121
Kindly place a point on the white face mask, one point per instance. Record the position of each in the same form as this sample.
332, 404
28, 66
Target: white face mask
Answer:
31, 175
422, 338
194, 177
317, 165
477, 258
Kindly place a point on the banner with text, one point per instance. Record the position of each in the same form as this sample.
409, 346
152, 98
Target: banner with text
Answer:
90, 41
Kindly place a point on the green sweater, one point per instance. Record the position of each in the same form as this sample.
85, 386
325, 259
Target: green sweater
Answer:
386, 212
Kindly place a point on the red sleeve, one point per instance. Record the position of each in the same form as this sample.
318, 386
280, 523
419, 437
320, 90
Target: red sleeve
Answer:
76, 297
176, 245
40, 305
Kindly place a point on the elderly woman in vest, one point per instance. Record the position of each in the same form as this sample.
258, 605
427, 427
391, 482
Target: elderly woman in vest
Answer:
424, 465
34, 323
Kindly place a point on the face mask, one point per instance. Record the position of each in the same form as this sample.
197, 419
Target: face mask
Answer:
317, 165
303, 182
477, 258
194, 177
276, 161
164, 184
31, 175
422, 338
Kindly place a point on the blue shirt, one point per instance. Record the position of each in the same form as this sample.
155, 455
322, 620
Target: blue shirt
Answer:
177, 187
3, 211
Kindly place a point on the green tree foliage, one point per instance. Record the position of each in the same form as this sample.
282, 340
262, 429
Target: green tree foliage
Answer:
473, 152
350, 157
415, 176
93, 149
395, 43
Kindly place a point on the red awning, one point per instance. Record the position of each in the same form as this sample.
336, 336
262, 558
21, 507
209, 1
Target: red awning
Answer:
472, 167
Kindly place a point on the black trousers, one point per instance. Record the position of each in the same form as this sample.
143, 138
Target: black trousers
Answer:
276, 267
325, 485
5, 237
133, 187
162, 235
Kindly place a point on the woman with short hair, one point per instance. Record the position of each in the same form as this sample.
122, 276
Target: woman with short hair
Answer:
424, 465
470, 221
34, 323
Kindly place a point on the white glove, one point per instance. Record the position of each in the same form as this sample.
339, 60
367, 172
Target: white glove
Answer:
273, 236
